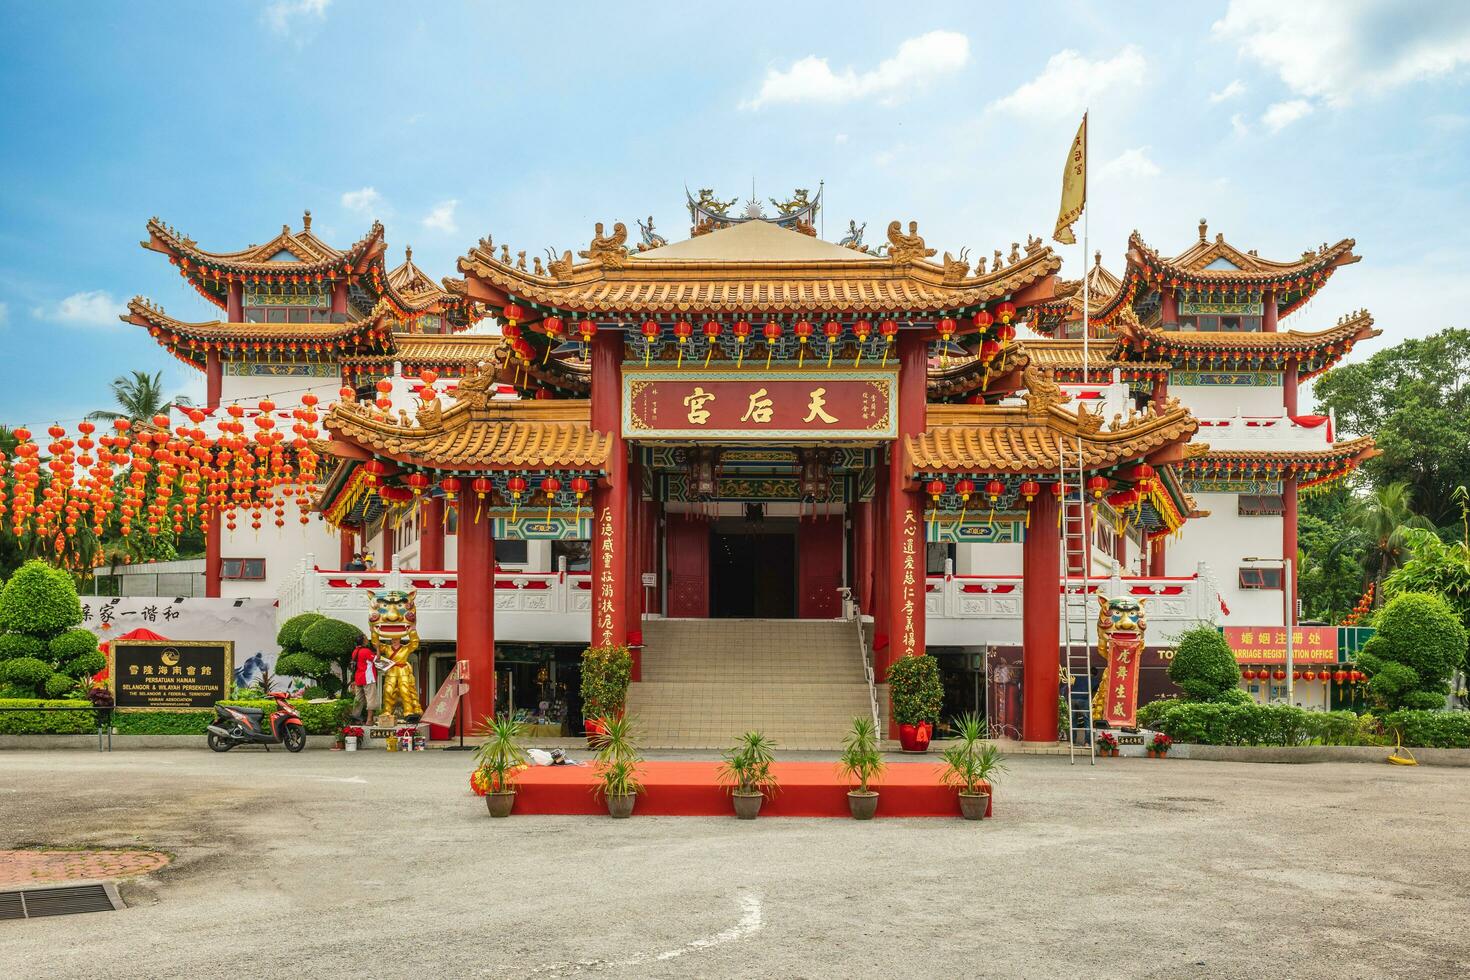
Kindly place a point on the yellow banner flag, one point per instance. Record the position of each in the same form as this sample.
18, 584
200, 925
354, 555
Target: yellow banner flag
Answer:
1074, 187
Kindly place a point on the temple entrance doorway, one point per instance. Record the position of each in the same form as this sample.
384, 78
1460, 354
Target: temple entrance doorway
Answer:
753, 569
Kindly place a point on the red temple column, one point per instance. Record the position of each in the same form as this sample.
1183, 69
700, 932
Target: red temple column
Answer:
235, 303
1290, 385
431, 534
1288, 542
610, 498
878, 518
1156, 556
346, 546
475, 614
213, 540
906, 551
1268, 312
862, 537
339, 297
390, 545
1041, 642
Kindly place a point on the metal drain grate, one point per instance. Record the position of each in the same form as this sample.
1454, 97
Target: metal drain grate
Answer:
36, 903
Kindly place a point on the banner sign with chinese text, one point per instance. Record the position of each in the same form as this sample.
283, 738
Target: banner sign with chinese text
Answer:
755, 404
1120, 698
1267, 644
153, 675
250, 624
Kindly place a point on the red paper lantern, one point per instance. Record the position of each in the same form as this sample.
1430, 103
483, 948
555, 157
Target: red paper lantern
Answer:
513, 313
711, 329
889, 330
515, 486
550, 485
418, 482
964, 487
1340, 676
553, 326
580, 486
982, 320
741, 330
587, 329
863, 329
1005, 312
994, 489
833, 330
989, 351
1280, 674
1029, 489
1309, 675
450, 485
802, 329
771, 331
650, 330
1098, 485
946, 327
935, 489
683, 330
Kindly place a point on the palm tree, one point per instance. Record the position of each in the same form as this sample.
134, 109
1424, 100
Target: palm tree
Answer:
140, 396
1379, 522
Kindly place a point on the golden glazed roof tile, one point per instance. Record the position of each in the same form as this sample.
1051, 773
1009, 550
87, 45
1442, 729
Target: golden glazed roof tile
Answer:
1351, 329
772, 268
289, 252
478, 433
188, 341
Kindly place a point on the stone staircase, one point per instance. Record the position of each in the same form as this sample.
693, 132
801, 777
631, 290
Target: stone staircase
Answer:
706, 681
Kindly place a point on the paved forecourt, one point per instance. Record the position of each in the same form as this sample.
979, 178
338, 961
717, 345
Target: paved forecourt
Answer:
379, 864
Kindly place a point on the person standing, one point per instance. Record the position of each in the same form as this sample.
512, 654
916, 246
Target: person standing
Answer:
367, 694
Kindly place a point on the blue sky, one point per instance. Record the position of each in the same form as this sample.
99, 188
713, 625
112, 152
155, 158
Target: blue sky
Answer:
1285, 124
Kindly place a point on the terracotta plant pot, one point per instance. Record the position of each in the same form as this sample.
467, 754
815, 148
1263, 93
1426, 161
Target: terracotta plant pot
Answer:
973, 805
863, 805
500, 804
747, 805
915, 738
1151, 753
621, 806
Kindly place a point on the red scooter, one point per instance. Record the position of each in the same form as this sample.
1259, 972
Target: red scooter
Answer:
234, 725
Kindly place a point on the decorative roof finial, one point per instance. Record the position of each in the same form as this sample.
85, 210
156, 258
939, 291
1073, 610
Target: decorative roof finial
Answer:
408, 253
1097, 258
1204, 229
306, 221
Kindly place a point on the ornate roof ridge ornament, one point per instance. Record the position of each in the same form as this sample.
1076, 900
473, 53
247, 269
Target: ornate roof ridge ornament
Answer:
1042, 391
610, 251
907, 248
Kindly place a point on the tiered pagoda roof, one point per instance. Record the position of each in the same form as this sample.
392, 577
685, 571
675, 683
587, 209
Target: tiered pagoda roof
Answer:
1311, 351
377, 300
1312, 467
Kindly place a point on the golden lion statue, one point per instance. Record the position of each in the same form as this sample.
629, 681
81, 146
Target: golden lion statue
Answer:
1120, 626
393, 622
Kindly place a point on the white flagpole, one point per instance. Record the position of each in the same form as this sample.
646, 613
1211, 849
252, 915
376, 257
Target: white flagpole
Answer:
1086, 269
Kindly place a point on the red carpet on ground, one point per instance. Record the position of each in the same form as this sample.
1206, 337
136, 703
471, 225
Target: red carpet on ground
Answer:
691, 789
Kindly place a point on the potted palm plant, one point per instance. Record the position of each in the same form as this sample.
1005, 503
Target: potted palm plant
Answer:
499, 760
747, 772
606, 673
616, 766
916, 693
862, 763
971, 765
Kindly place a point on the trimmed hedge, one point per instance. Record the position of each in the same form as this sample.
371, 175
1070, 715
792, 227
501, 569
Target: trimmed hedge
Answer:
15, 645
73, 644
45, 722
25, 672
1212, 723
1431, 729
39, 600
319, 719
288, 637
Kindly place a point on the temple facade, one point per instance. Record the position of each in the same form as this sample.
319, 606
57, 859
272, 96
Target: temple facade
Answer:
754, 424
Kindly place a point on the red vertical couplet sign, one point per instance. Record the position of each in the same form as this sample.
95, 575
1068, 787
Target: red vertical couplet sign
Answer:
1120, 682
605, 628
908, 635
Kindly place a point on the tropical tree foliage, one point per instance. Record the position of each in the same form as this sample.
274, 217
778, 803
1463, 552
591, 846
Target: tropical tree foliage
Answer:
139, 396
1419, 642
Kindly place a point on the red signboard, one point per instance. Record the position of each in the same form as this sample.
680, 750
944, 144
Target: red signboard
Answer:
1120, 682
754, 404
1267, 644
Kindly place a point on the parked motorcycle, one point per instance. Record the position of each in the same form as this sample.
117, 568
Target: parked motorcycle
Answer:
235, 725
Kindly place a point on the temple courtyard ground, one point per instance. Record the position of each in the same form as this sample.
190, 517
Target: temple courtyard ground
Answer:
383, 865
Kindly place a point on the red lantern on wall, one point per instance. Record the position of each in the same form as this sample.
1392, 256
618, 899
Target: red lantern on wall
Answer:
1029, 489
1098, 485
993, 490
550, 486
483, 485
1309, 675
1280, 674
683, 330
650, 331
1340, 676
1005, 312
963, 488
515, 486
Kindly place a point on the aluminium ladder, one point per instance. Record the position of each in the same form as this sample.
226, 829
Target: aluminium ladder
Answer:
1076, 599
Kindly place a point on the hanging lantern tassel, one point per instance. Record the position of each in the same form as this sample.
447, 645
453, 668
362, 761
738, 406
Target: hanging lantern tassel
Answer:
515, 486
935, 489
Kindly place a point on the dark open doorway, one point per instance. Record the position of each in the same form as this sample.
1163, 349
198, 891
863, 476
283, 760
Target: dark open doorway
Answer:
753, 570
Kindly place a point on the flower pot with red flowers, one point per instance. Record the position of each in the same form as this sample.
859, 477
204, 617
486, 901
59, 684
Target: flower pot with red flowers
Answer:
1158, 748
500, 759
917, 695
1107, 744
606, 673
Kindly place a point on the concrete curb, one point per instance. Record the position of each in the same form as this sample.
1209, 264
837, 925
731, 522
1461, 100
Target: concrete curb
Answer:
128, 742
1313, 753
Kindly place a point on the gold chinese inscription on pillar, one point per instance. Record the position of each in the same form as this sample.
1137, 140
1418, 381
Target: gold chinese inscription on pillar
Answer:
607, 585
908, 639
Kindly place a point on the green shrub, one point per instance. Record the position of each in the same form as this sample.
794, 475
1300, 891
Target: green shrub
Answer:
606, 673
73, 644
13, 645
59, 686
331, 639
44, 722
26, 673
318, 719
1214, 723
914, 689
1204, 666
86, 665
1431, 729
288, 637
302, 664
1419, 642
39, 600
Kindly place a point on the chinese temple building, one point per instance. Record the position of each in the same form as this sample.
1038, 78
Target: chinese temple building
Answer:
666, 440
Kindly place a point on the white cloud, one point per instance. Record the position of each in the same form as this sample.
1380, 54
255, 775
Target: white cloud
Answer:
441, 216
361, 200
282, 15
840, 138
1235, 88
1338, 49
1070, 83
1279, 115
1238, 124
93, 308
1131, 163
918, 60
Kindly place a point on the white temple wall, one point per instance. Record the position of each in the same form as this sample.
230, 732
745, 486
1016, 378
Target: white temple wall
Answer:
1221, 541
1227, 401
282, 549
